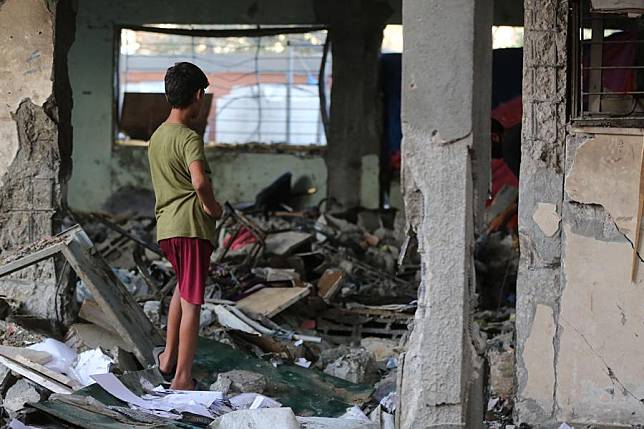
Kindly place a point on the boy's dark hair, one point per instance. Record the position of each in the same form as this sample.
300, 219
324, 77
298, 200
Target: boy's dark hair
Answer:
182, 81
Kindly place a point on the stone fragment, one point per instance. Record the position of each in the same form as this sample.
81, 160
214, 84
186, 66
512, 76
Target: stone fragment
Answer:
18, 395
260, 418
358, 366
501, 373
152, 310
240, 381
206, 318
221, 385
381, 348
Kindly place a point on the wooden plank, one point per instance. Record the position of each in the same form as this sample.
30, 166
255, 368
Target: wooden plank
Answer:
283, 243
60, 378
91, 312
113, 298
36, 377
270, 301
32, 258
33, 355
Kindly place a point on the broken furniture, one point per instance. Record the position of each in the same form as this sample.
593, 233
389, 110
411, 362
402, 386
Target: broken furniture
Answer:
124, 315
238, 224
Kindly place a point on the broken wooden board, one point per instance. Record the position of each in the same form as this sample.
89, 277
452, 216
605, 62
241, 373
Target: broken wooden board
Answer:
32, 355
35, 376
60, 378
284, 243
110, 294
270, 301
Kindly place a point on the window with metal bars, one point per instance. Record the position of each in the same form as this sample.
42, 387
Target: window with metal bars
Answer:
267, 84
607, 67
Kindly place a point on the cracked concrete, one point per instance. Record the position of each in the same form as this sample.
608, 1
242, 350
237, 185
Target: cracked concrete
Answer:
586, 368
443, 150
34, 149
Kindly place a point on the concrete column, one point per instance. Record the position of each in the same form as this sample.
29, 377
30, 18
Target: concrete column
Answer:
35, 143
542, 184
446, 116
355, 120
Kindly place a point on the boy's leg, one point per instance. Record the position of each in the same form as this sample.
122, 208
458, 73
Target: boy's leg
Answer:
168, 359
189, 334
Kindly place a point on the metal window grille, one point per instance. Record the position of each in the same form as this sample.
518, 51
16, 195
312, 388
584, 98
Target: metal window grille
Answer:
607, 66
264, 81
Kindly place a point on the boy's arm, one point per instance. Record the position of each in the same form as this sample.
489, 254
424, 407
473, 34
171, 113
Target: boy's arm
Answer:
201, 183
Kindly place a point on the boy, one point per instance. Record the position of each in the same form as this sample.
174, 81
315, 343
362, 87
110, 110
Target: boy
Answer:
186, 211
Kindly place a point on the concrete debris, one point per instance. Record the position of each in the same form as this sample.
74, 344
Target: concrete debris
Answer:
261, 418
18, 395
152, 310
358, 366
239, 381
382, 349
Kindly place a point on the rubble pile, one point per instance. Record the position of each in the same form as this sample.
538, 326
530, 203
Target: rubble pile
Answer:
305, 311
306, 316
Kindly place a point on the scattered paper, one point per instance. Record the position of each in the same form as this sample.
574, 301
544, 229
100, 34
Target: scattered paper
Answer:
17, 424
180, 401
88, 363
62, 356
302, 362
249, 400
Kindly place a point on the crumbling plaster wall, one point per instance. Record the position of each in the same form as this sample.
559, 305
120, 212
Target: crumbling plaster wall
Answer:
34, 143
445, 117
579, 318
100, 168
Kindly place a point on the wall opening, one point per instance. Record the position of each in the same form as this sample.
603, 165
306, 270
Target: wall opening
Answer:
264, 82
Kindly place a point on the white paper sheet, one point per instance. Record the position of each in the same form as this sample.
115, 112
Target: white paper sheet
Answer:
193, 401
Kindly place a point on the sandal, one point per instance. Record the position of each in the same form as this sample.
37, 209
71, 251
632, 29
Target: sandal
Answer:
156, 352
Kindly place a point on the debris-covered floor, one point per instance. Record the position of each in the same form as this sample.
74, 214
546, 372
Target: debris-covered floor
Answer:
305, 318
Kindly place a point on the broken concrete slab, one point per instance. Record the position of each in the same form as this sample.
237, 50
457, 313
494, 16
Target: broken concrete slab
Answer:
331, 423
18, 395
240, 381
260, 418
358, 366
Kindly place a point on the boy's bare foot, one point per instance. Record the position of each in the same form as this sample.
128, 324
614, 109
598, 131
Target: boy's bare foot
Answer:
178, 384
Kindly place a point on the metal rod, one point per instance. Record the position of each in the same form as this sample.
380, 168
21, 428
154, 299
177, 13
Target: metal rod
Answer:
289, 84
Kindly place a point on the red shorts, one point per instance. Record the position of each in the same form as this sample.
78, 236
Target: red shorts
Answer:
190, 258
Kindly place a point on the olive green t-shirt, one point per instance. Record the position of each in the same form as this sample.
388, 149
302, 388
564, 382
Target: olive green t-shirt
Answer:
178, 210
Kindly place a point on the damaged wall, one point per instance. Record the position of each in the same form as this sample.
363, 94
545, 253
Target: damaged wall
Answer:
100, 168
579, 318
34, 141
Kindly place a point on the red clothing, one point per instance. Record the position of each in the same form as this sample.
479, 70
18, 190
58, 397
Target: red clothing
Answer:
502, 176
190, 258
